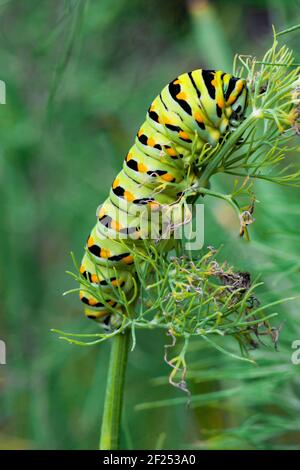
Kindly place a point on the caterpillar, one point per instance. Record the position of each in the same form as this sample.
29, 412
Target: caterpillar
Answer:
204, 103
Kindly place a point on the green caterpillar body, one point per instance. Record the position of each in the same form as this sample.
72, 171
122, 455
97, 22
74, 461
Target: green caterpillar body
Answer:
205, 103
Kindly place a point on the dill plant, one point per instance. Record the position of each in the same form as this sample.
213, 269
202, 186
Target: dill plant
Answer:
190, 297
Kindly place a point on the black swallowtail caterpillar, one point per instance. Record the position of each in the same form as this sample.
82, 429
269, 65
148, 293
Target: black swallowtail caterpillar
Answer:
205, 103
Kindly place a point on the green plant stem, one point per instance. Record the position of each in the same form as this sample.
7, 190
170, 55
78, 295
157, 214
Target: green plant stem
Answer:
110, 429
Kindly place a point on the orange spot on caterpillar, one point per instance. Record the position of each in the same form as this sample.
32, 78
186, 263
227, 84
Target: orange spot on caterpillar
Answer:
116, 183
129, 196
198, 116
231, 99
181, 96
151, 142
90, 242
171, 152
220, 102
184, 135
167, 177
239, 85
142, 168
128, 259
166, 120
104, 253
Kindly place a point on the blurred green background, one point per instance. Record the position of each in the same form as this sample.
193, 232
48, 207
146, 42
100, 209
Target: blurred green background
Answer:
80, 76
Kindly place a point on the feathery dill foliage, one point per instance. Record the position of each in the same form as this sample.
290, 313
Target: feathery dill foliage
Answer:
201, 297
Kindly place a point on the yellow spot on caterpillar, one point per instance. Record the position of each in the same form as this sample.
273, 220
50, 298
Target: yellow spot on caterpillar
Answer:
228, 112
176, 82
95, 314
90, 242
94, 278
239, 86
129, 156
101, 212
101, 313
231, 99
128, 259
116, 183
142, 168
104, 253
183, 134
167, 177
140, 132
129, 196
226, 79
166, 120
115, 282
82, 269
81, 294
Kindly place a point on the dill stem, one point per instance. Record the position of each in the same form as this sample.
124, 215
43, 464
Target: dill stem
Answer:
111, 421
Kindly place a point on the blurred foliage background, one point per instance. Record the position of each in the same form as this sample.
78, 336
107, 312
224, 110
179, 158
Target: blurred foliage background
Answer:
80, 76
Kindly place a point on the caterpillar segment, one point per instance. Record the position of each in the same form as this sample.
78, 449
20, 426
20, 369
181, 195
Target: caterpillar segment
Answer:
107, 280
107, 252
131, 196
154, 143
204, 103
152, 172
116, 223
